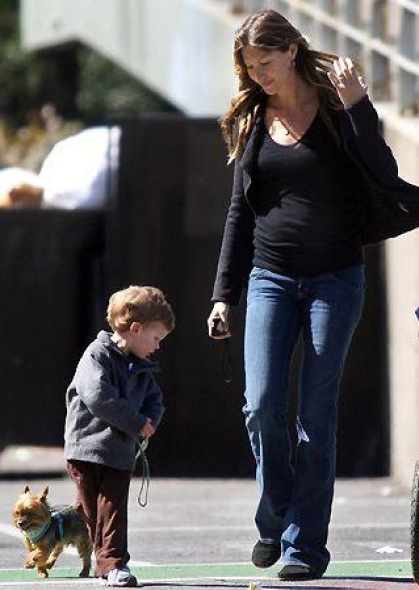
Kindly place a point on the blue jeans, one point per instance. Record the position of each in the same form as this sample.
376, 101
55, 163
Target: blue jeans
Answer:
295, 499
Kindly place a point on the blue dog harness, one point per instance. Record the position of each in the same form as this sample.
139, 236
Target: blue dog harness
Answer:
57, 514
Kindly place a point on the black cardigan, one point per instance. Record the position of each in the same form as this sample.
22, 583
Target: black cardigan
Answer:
391, 205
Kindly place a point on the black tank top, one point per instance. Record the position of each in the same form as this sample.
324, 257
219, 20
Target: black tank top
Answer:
307, 202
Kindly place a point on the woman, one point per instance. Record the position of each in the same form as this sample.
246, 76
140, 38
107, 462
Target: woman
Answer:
314, 182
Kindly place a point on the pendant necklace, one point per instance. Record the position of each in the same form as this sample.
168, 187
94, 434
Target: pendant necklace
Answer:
287, 131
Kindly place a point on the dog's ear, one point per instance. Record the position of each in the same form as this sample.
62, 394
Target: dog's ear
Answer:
26, 490
42, 496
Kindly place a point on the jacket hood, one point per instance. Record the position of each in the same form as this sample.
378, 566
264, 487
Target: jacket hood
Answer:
106, 339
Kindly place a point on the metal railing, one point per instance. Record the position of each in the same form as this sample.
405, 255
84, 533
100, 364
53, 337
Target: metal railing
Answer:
383, 35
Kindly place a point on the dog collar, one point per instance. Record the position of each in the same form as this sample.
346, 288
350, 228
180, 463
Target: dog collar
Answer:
34, 534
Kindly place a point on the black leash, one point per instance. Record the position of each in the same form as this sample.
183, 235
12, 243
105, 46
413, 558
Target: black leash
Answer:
217, 328
226, 362
145, 482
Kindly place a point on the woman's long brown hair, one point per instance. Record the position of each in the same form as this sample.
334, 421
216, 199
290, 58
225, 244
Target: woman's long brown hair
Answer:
269, 30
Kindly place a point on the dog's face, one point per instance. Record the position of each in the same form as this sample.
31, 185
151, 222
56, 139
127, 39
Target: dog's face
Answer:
31, 510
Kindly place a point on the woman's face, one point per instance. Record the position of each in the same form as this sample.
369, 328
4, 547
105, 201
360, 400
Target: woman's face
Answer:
270, 69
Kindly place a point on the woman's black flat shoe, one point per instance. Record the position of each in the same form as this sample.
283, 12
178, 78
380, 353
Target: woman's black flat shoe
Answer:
265, 554
297, 573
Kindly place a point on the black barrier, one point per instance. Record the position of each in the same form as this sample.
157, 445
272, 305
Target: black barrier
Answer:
50, 273
58, 269
174, 193
364, 424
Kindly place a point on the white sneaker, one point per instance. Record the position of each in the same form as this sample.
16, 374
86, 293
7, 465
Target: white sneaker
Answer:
121, 578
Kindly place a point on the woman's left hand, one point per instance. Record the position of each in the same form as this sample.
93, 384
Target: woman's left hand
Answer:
349, 85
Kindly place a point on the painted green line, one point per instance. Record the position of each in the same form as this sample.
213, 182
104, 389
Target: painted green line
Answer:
376, 569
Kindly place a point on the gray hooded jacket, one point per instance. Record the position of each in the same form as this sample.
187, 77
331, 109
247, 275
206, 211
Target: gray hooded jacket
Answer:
108, 402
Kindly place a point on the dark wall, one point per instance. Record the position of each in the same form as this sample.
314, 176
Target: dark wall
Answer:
179, 189
58, 269
49, 276
174, 190
364, 425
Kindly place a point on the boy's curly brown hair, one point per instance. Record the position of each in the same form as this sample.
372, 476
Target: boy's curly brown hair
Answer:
139, 304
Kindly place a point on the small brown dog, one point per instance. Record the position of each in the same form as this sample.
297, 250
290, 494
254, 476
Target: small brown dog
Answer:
48, 529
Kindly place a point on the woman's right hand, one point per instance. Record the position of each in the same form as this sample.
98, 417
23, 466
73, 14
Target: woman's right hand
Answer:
219, 311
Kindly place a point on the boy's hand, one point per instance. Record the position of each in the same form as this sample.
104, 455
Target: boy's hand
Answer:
148, 429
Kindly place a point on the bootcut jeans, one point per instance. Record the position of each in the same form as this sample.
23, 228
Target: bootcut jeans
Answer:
296, 497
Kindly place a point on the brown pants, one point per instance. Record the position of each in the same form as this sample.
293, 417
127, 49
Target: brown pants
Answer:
102, 502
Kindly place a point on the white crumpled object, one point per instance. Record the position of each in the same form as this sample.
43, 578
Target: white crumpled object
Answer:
80, 170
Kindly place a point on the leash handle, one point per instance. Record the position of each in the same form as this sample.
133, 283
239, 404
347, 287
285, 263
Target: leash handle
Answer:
142, 498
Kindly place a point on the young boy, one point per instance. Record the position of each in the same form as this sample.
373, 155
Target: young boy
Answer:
112, 400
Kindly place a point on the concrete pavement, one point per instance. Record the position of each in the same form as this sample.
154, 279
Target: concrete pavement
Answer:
199, 533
